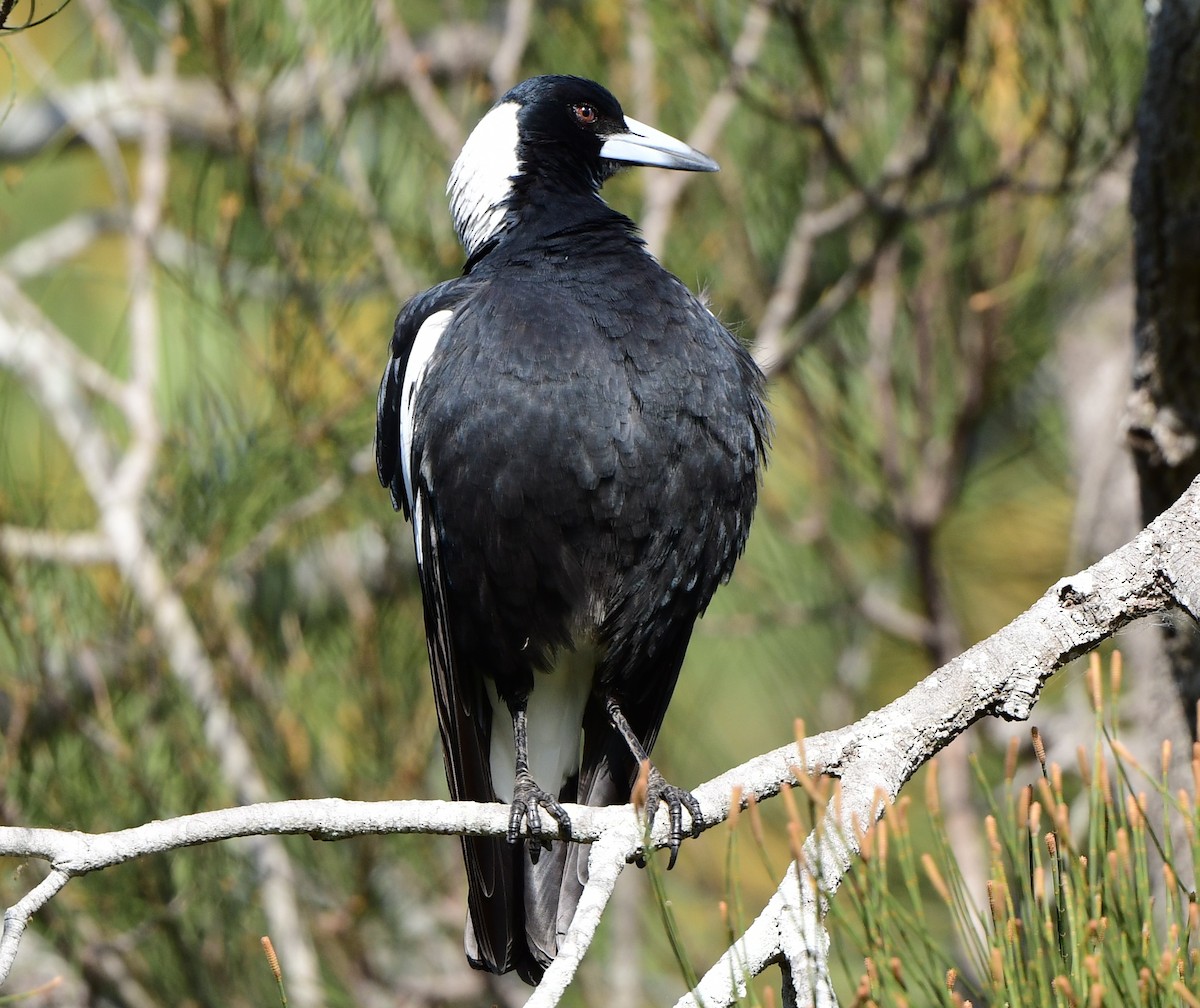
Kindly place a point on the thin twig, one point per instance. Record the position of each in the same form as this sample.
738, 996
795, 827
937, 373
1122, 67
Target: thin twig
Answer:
318, 60
414, 71
317, 500
53, 372
642, 61
606, 860
663, 189
827, 307
37, 353
48, 250
17, 916
93, 129
518, 17
133, 472
77, 549
200, 114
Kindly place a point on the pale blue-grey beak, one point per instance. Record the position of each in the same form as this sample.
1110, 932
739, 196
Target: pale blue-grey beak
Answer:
640, 144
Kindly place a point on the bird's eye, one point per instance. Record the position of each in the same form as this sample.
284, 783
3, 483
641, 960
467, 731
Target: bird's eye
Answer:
585, 115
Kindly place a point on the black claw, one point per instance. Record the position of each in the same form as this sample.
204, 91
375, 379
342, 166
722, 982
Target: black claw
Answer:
527, 804
676, 800
693, 807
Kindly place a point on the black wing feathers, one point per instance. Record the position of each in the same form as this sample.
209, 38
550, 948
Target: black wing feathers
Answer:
496, 938
495, 917
388, 406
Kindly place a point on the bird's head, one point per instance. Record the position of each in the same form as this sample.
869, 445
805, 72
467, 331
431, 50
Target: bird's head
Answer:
551, 135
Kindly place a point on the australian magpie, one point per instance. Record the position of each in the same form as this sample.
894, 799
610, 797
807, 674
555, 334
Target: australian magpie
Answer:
577, 442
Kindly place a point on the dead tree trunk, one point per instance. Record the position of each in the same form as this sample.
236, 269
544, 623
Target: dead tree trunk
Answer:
1163, 421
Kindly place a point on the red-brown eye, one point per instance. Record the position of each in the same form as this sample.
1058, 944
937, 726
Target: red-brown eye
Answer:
585, 115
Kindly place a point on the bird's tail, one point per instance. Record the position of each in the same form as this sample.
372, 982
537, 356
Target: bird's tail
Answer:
518, 916
497, 918
550, 900
554, 885
607, 768
525, 932
496, 938
519, 911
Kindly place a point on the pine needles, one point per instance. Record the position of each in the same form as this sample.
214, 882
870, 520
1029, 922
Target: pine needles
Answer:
1084, 903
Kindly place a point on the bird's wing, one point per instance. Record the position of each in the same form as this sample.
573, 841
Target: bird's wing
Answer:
495, 924
464, 710
418, 326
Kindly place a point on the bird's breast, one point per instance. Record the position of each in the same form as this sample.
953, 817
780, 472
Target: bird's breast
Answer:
579, 449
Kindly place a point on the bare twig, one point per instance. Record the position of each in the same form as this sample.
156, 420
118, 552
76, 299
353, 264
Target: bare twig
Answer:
414, 73
61, 109
49, 368
518, 16
56, 374
199, 114
663, 189
74, 548
317, 500
831, 302
605, 863
881, 333
49, 249
131, 475
318, 61
642, 61
770, 345
17, 916
1002, 675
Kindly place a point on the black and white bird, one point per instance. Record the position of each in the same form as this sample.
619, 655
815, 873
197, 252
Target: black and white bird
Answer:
577, 442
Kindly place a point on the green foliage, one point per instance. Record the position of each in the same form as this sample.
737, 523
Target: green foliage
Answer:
1084, 905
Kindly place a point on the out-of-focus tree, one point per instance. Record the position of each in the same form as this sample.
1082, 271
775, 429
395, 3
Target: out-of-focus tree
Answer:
209, 213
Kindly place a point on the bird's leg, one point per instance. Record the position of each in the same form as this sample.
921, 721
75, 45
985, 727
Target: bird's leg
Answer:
528, 798
657, 788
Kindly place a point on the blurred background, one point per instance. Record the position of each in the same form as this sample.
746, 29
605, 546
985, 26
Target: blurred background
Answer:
210, 213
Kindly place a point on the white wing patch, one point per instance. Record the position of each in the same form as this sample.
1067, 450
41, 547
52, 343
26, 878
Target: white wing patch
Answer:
423, 349
481, 179
417, 509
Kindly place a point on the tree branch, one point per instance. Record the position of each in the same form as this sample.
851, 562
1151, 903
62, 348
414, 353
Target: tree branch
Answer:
873, 759
664, 189
198, 114
78, 549
518, 18
16, 917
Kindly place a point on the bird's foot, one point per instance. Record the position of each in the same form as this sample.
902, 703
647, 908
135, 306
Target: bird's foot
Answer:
676, 799
528, 801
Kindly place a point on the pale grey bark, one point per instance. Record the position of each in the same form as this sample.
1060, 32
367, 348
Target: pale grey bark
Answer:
199, 114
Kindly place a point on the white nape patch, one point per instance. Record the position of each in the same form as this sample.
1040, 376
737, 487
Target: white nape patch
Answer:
414, 370
481, 179
553, 720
